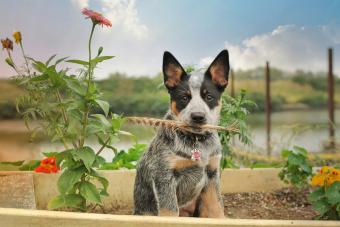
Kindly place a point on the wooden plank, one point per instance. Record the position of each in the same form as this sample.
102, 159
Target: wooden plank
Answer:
17, 191
20, 217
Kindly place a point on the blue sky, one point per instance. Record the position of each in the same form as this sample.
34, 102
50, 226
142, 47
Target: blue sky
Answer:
291, 34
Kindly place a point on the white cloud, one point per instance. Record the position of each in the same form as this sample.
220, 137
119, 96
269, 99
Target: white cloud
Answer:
124, 13
81, 3
288, 47
205, 62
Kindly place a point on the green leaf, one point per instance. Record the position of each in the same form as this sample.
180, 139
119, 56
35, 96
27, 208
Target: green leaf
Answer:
117, 122
50, 59
100, 59
100, 50
125, 133
39, 66
301, 150
18, 163
60, 60
31, 165
79, 62
9, 62
321, 206
333, 193
295, 159
104, 105
285, 153
39, 78
316, 195
102, 119
99, 161
100, 178
68, 178
89, 192
76, 86
86, 154
65, 201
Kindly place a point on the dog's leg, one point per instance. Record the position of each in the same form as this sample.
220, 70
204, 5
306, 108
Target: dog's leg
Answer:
145, 199
211, 202
165, 189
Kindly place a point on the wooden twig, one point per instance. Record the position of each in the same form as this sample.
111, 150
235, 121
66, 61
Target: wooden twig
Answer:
176, 125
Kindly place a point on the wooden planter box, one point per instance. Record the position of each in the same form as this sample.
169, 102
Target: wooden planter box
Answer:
121, 193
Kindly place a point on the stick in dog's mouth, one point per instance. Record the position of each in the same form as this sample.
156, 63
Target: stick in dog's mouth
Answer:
176, 125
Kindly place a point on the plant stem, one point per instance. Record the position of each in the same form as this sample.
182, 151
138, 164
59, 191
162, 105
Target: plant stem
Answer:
89, 74
90, 66
64, 114
23, 54
14, 66
104, 145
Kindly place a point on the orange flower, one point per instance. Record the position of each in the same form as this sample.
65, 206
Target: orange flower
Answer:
327, 176
7, 44
17, 37
96, 18
47, 165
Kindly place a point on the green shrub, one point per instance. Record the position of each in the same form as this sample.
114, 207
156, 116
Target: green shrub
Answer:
125, 159
296, 170
277, 102
315, 101
234, 111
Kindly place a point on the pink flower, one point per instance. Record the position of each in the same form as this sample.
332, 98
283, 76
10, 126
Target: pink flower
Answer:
96, 18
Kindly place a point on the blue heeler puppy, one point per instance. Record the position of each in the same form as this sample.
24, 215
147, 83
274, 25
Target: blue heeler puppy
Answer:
179, 174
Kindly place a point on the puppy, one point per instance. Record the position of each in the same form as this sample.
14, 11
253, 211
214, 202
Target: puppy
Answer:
179, 174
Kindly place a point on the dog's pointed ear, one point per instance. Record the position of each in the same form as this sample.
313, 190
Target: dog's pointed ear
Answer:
172, 70
218, 71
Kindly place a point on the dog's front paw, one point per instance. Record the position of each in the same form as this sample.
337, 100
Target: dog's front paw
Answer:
166, 212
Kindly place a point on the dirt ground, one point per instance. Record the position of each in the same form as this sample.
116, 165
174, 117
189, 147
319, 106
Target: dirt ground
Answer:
285, 204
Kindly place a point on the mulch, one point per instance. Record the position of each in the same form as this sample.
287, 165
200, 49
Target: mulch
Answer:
285, 204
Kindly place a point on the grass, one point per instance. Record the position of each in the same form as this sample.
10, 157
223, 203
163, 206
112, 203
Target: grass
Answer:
291, 91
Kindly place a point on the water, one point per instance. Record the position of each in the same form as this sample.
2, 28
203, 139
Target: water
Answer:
302, 128
306, 128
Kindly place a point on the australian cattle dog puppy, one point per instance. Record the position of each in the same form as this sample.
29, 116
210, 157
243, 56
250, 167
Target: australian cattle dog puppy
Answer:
179, 174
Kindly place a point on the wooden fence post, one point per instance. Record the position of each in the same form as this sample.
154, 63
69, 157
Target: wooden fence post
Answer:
331, 101
268, 108
232, 85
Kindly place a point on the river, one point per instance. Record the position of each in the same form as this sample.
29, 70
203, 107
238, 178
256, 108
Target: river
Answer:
307, 128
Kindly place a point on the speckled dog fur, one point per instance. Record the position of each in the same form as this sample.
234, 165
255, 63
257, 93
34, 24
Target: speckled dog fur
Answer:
168, 182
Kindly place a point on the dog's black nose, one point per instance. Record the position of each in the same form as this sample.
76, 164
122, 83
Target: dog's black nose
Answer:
198, 117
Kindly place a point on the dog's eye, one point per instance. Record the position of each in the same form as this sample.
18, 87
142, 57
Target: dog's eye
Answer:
185, 98
209, 98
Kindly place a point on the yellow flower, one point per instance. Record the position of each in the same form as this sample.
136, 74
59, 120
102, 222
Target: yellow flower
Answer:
17, 37
328, 175
318, 180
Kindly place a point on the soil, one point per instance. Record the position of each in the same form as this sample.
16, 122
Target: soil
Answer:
285, 204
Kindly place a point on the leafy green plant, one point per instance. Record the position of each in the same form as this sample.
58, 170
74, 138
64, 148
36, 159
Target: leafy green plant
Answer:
234, 111
326, 197
296, 170
125, 159
63, 104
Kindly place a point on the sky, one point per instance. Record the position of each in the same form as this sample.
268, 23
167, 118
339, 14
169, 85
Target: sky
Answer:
290, 34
